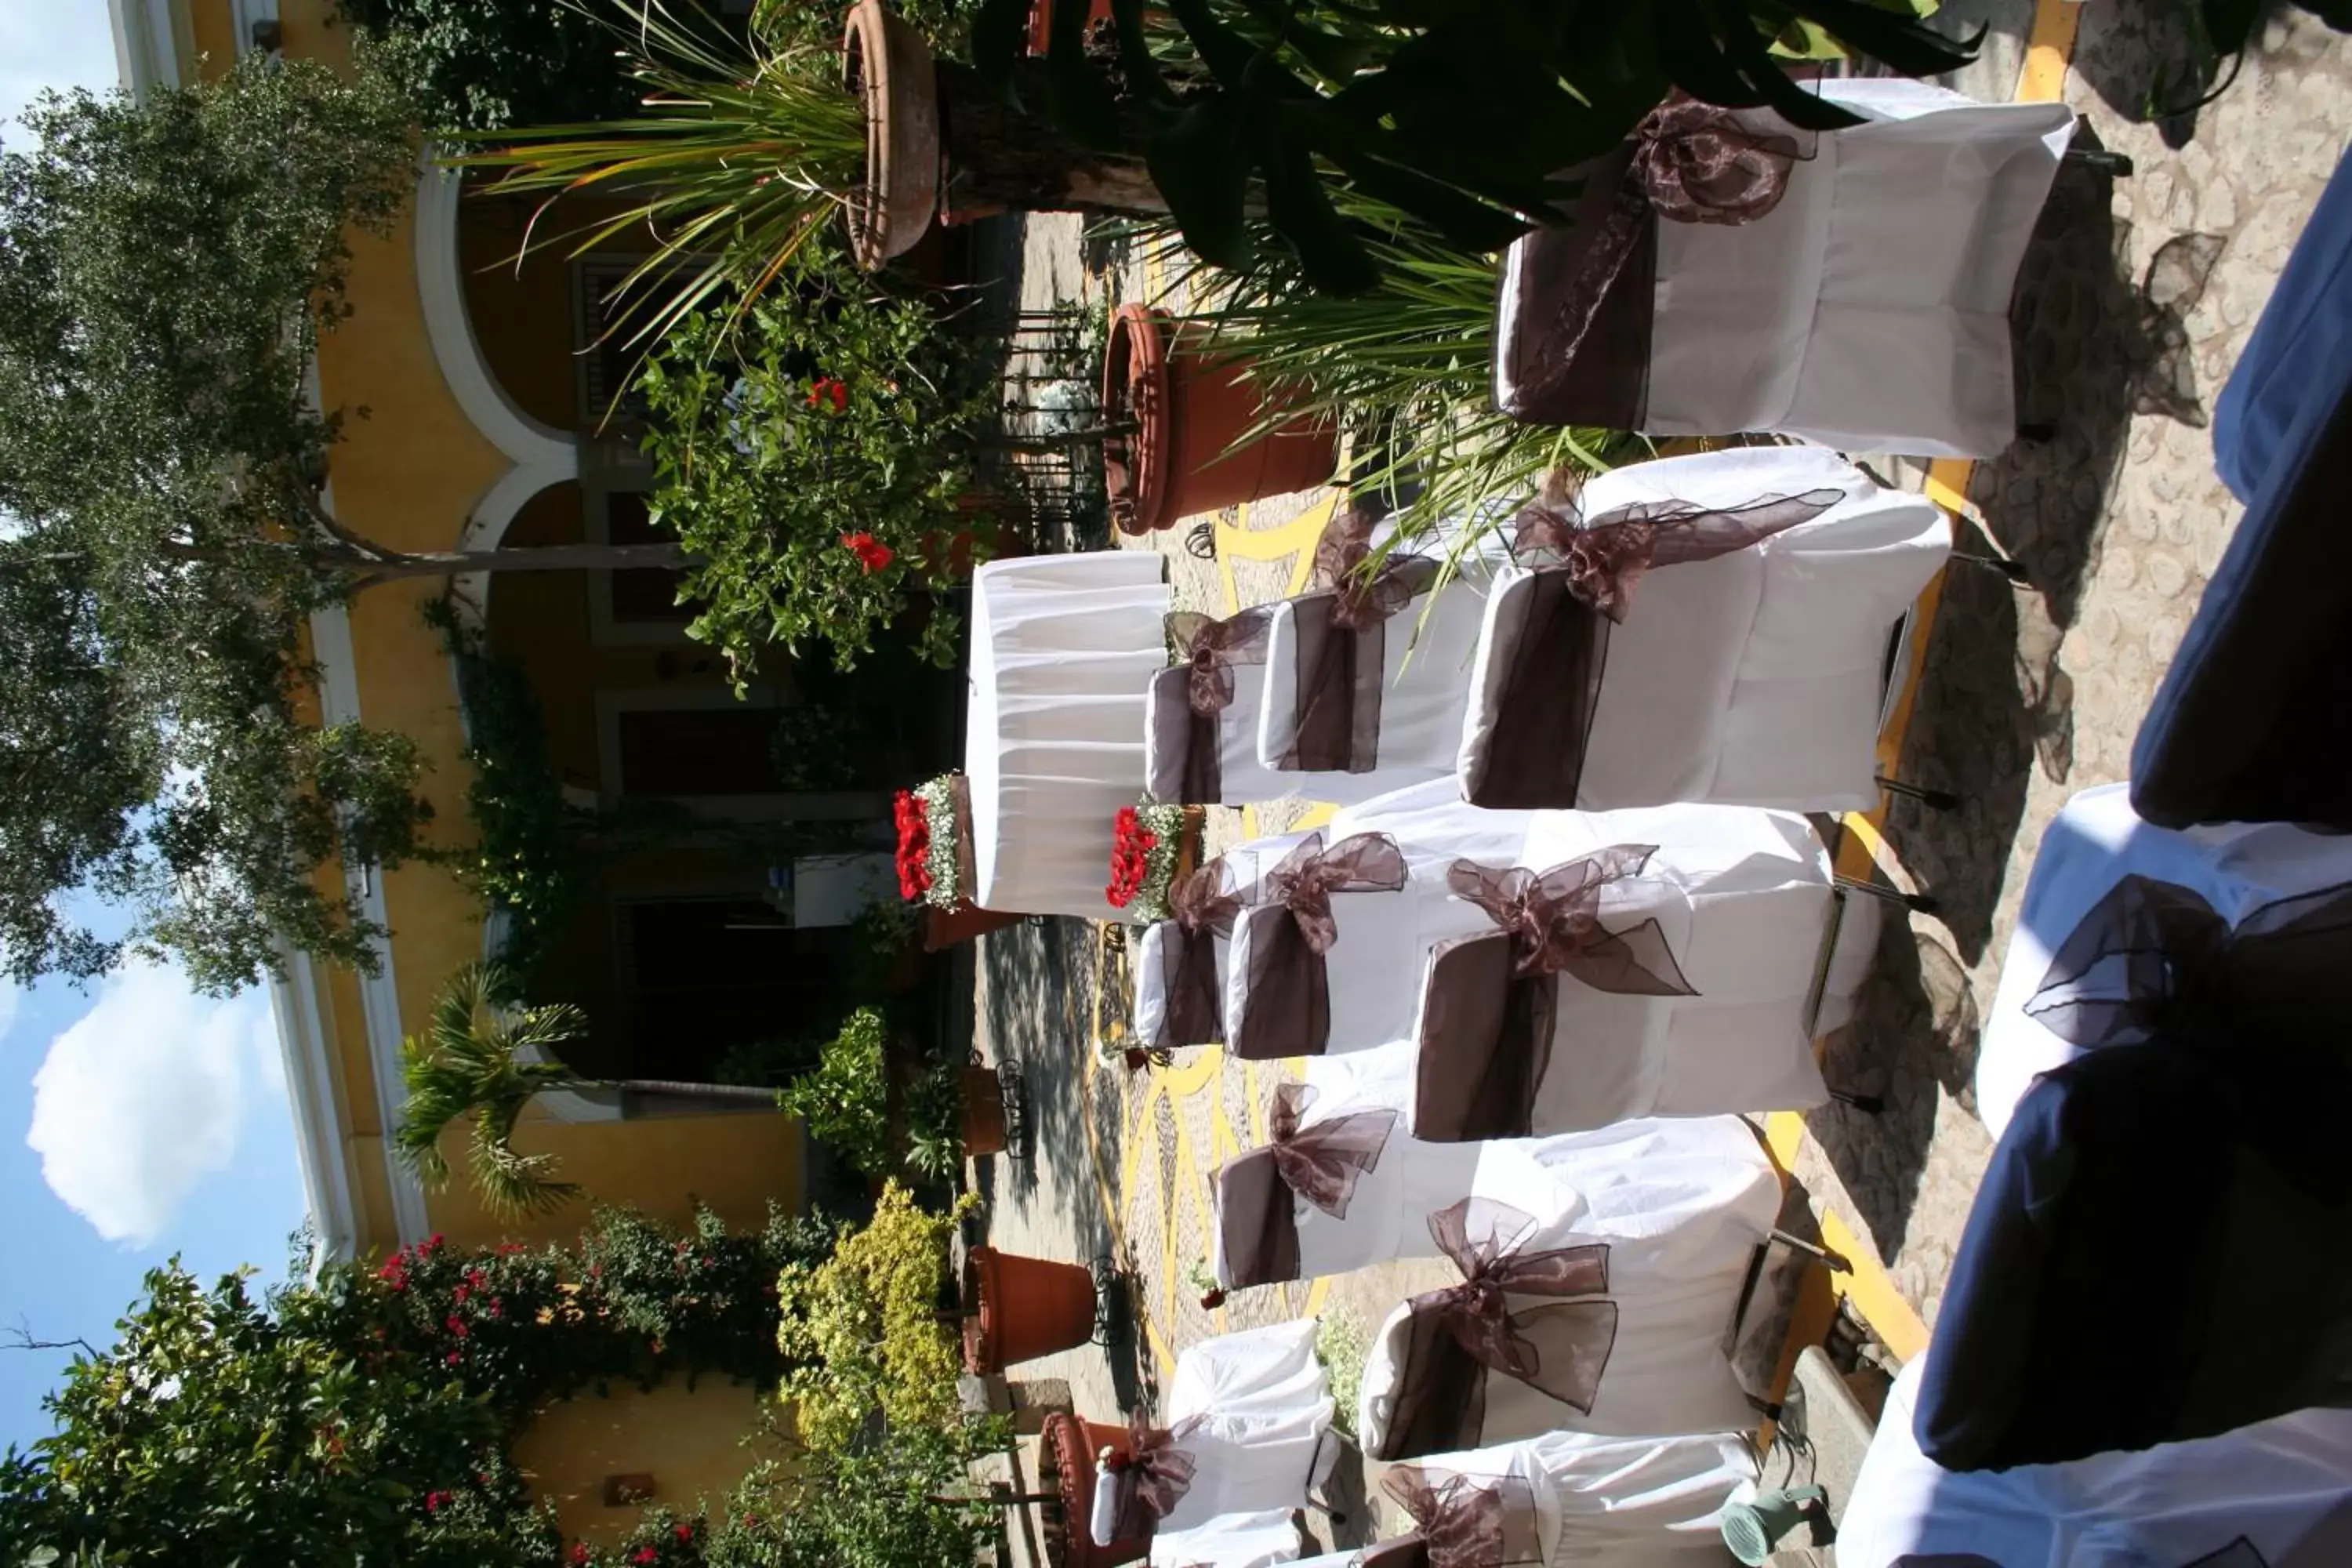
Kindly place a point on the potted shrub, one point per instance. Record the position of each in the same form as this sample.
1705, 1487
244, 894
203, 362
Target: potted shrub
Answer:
954, 1112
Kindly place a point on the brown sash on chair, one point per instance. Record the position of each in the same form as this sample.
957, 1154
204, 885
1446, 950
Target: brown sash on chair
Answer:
1578, 348
1320, 1164
1488, 1002
1287, 1000
1456, 1338
1211, 650
1342, 652
1192, 1001
1583, 579
1465, 1521
1161, 1474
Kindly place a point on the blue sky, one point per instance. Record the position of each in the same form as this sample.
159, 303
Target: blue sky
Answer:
137, 1119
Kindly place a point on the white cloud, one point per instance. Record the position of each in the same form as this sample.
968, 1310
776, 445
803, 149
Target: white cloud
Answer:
144, 1096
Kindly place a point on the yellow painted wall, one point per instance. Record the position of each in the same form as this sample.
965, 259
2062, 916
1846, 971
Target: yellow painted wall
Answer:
688, 1440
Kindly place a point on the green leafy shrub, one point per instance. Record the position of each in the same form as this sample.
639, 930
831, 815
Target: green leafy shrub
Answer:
862, 1330
485, 65
845, 1099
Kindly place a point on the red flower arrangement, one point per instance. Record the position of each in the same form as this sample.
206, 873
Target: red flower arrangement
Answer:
914, 845
829, 389
1131, 845
871, 552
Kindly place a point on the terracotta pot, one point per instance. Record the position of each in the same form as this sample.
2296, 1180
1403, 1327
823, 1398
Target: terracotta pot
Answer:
887, 64
1041, 21
1190, 408
1028, 1306
1072, 1444
945, 928
983, 1112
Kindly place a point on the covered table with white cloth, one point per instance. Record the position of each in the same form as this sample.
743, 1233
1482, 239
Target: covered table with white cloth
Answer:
1064, 648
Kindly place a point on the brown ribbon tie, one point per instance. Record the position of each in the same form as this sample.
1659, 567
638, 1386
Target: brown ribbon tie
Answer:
2152, 959
1468, 1522
1341, 656
1156, 1481
1286, 1000
1582, 577
1318, 1163
1578, 350
1456, 1338
1489, 1003
1210, 650
1192, 1003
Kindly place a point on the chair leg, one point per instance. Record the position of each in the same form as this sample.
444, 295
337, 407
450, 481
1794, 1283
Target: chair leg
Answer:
2114, 164
1835, 1261
1868, 1104
1938, 799
2037, 432
1919, 903
2012, 570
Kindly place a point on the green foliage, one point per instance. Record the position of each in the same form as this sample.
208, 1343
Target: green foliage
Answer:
165, 272
934, 1121
525, 862
1342, 1345
862, 1329
484, 65
1460, 114
845, 1099
481, 1062
763, 478
364, 1417
815, 747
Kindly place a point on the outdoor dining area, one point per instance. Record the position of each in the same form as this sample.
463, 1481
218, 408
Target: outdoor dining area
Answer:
1575, 924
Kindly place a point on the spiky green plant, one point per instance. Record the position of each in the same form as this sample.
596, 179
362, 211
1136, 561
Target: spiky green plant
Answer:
740, 153
482, 1061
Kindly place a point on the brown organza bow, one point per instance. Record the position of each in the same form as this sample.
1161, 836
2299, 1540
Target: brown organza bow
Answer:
2153, 959
1468, 1522
1489, 1005
1457, 1337
1156, 1481
1209, 651
1584, 576
1286, 1000
1193, 1009
1318, 1163
1341, 656
1590, 290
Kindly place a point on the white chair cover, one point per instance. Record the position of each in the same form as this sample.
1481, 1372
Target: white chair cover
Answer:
1168, 736
1230, 1541
1677, 1284
2095, 842
2274, 1495
1376, 967
1753, 679
1063, 648
1868, 311
1266, 1409
1633, 1183
1627, 1502
1241, 868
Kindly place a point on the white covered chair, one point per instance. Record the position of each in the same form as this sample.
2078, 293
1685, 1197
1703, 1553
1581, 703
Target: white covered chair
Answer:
1571, 1498
1749, 666
1250, 1414
2097, 841
1556, 1328
1230, 1541
1063, 648
1865, 307
2277, 1494
1343, 1185
1372, 971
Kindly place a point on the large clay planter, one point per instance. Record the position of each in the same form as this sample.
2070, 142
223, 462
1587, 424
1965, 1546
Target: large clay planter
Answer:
983, 1112
887, 64
1072, 1444
1190, 409
1041, 21
1028, 1306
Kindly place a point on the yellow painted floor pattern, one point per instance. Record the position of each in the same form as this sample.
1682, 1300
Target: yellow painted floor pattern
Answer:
1129, 1177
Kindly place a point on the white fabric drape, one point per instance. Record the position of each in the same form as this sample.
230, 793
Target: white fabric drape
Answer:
2095, 842
1754, 679
1626, 1502
2283, 1486
1063, 648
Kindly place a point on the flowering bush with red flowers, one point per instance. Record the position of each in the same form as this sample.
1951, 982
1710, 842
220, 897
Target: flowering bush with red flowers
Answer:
873, 556
829, 389
1144, 845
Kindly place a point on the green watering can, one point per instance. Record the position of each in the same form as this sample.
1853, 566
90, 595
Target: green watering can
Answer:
1752, 1529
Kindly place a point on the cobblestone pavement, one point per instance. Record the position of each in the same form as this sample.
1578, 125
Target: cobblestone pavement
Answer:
2138, 297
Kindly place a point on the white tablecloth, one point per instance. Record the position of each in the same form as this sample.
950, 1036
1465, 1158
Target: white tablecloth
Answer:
1063, 648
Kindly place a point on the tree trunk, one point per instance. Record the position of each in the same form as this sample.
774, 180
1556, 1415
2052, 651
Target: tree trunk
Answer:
547, 558
680, 1089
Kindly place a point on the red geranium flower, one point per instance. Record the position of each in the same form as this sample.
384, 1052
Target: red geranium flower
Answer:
579, 1552
433, 1501
644, 1554
685, 1532
1211, 1300
871, 552
829, 389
